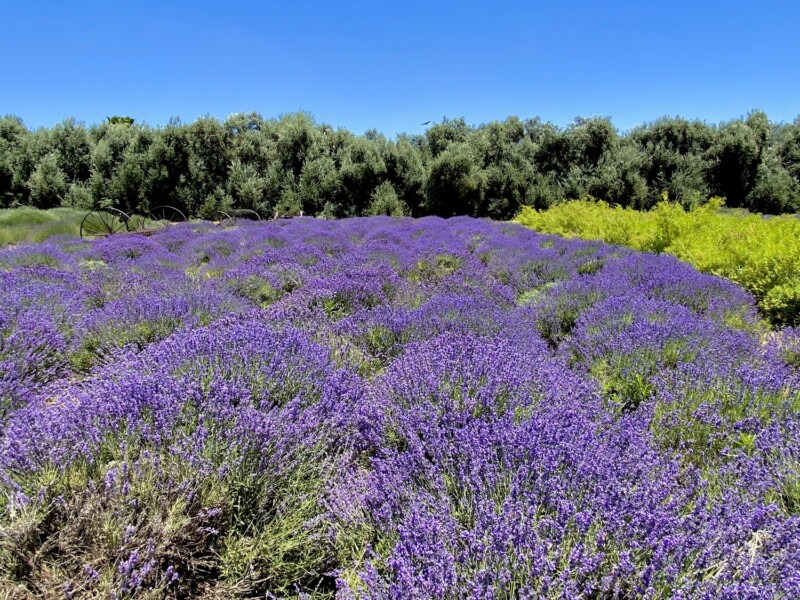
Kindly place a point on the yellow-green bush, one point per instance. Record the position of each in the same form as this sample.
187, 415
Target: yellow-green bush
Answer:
762, 254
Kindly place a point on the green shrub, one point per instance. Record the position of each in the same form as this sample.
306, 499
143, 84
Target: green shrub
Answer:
385, 202
781, 304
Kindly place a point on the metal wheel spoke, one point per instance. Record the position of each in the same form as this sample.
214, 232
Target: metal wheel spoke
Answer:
103, 222
106, 224
136, 223
116, 225
164, 216
246, 213
226, 220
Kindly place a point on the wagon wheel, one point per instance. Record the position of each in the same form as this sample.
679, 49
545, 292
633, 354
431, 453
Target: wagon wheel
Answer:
137, 223
103, 222
225, 219
164, 216
246, 213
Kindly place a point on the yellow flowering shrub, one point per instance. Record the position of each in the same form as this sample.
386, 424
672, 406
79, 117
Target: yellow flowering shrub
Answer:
762, 254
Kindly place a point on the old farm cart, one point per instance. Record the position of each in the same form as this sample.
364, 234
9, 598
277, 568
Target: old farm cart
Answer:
103, 222
228, 218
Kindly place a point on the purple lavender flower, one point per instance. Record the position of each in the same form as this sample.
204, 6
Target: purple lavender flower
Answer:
391, 408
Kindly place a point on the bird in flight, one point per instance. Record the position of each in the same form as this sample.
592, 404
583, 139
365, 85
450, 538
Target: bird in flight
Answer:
426, 123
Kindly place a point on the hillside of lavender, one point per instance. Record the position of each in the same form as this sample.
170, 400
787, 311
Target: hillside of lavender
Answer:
389, 408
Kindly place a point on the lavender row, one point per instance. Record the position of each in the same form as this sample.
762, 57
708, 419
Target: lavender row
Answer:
390, 408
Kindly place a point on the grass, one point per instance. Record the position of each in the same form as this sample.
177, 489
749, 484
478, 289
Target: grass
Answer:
27, 224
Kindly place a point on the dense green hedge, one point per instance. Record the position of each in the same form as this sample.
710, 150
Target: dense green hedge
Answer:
294, 164
762, 254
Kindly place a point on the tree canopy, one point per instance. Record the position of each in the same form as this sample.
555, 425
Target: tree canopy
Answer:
293, 164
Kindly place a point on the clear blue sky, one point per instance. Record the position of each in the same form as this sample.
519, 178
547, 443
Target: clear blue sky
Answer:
393, 65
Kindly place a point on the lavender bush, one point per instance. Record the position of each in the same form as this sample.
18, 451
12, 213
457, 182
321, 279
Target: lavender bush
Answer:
389, 408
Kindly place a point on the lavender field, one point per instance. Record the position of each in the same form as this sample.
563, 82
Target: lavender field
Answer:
389, 408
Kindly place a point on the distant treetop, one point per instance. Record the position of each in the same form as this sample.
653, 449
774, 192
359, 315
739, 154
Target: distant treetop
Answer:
117, 120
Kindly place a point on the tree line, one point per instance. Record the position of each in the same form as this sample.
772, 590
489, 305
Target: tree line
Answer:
293, 164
